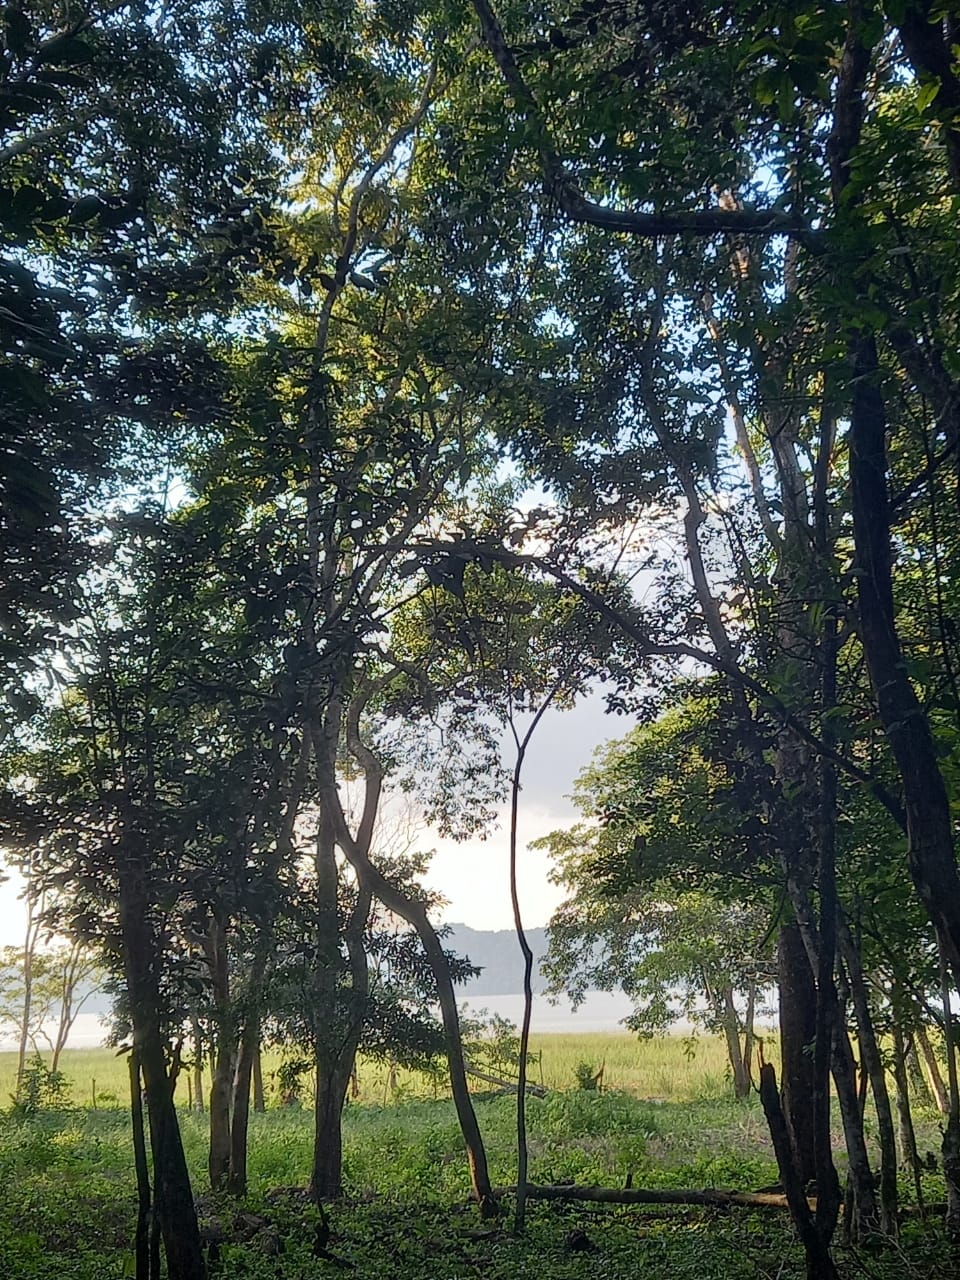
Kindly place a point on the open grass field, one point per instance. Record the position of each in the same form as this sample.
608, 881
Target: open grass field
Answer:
665, 1120
670, 1068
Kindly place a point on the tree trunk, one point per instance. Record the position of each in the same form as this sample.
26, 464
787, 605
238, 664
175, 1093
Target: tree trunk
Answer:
930, 845
220, 1096
223, 1051
873, 1064
371, 881
69, 1009
415, 914
861, 1219
749, 1033
731, 1031
174, 1209
798, 1027
248, 1057
240, 1107
197, 1064
915, 1077
820, 1265
950, 1148
950, 1153
326, 1175
142, 1236
29, 947
259, 1105
932, 1070
862, 1215
330, 1031
906, 1134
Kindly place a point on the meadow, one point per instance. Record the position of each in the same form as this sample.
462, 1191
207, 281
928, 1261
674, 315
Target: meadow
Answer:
663, 1120
671, 1068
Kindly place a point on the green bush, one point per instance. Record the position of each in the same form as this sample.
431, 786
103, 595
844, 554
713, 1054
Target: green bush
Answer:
41, 1089
586, 1076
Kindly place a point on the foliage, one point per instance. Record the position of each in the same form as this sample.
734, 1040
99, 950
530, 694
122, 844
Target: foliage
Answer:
62, 979
41, 1089
66, 1192
647, 880
585, 1075
354, 400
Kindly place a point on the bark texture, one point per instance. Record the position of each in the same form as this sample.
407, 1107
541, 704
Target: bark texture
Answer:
174, 1211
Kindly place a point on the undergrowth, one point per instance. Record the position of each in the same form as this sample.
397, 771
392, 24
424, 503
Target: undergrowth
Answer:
67, 1198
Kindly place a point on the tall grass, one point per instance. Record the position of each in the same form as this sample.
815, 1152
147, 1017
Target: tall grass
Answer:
666, 1069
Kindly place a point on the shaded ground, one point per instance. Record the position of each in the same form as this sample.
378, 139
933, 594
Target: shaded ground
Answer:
67, 1206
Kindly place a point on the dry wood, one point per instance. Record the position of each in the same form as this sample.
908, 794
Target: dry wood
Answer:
509, 1086
710, 1197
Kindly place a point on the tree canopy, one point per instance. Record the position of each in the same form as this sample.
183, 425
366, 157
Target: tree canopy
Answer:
373, 376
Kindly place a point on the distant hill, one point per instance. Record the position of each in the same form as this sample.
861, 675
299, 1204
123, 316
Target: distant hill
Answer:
498, 954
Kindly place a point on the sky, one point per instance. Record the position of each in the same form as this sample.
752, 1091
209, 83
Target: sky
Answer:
473, 874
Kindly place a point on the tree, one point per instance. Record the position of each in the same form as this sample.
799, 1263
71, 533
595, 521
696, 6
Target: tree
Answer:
653, 905
43, 987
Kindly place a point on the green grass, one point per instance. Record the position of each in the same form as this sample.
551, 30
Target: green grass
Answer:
66, 1192
671, 1068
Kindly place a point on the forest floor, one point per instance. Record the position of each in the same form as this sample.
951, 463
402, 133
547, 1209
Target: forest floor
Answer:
67, 1198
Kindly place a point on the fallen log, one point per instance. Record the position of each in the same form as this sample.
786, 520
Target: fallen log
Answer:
509, 1086
711, 1197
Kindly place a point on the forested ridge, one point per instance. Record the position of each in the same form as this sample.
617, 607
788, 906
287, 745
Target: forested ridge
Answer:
378, 377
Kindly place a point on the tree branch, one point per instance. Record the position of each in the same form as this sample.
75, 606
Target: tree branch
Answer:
559, 184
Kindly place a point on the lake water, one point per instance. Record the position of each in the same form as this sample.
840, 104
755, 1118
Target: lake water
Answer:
600, 1011
88, 1032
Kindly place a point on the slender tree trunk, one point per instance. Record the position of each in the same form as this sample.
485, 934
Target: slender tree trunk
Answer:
749, 1033
874, 1068
820, 1265
197, 1064
950, 1148
223, 1053
240, 1106
174, 1209
829, 1023
861, 1220
29, 948
906, 1134
248, 1056
259, 1105
371, 881
415, 914
68, 1006
731, 1032
798, 1027
446, 997
520, 1210
330, 1022
142, 1236
932, 1069
930, 843
862, 1217
915, 1076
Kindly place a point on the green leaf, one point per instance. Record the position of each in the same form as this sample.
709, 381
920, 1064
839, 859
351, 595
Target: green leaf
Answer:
927, 94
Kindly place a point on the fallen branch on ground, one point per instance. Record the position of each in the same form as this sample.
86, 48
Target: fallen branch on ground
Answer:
710, 1197
510, 1086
